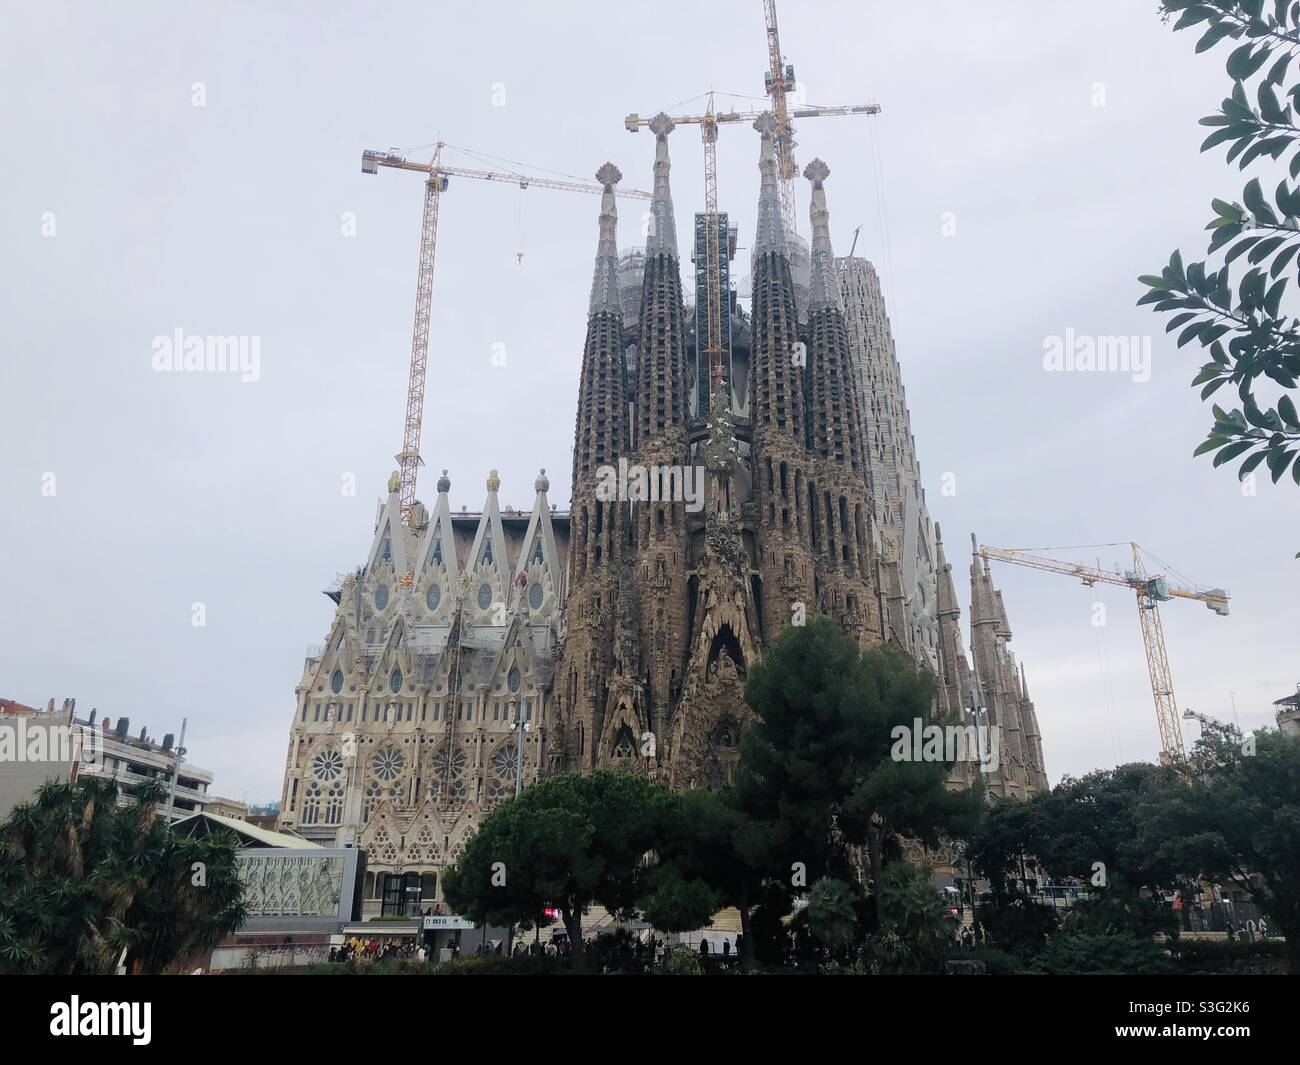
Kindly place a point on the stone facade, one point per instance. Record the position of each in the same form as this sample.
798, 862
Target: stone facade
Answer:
904, 533
622, 632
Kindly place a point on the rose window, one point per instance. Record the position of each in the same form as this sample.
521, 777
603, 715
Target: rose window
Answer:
387, 763
327, 765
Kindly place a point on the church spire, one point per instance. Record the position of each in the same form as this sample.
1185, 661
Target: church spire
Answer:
835, 423
600, 436
662, 239
771, 228
604, 284
825, 287
661, 359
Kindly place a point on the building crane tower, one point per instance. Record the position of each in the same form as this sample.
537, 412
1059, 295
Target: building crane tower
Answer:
708, 123
1150, 591
778, 80
438, 177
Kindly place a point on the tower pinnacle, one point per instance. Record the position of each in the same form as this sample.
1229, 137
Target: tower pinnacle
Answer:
824, 289
771, 229
662, 239
604, 283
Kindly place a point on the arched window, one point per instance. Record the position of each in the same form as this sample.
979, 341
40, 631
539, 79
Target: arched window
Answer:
311, 804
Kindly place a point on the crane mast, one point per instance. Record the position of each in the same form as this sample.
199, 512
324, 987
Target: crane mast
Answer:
778, 81
709, 122
1150, 591
438, 177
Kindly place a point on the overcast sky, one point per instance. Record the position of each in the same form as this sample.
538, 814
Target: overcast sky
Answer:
197, 167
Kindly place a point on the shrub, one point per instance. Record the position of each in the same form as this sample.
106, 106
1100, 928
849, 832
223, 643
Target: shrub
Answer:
1079, 953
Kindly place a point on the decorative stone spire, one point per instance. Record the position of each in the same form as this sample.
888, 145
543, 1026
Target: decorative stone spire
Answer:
543, 483
661, 360
444, 484
493, 481
604, 283
771, 229
824, 289
662, 239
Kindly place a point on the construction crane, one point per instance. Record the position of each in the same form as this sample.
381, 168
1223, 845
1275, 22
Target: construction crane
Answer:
438, 178
1151, 591
778, 80
708, 123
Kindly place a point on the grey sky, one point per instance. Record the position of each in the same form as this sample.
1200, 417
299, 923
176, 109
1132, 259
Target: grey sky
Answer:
223, 219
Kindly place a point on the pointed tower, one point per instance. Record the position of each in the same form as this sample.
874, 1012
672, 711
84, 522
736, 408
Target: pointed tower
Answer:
598, 519
849, 589
955, 692
652, 611
1037, 769
537, 572
997, 678
787, 507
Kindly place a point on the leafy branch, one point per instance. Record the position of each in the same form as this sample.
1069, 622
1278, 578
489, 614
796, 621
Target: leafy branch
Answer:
1245, 331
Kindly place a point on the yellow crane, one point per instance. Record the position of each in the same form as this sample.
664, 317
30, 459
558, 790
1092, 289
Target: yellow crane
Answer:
1151, 590
437, 179
778, 80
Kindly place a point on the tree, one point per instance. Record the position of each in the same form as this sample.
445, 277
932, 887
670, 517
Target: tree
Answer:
1251, 337
1238, 818
830, 912
84, 879
817, 771
568, 841
710, 855
913, 911
1089, 828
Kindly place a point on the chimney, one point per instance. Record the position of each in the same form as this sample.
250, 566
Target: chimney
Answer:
168, 740
104, 726
123, 726
142, 738
93, 712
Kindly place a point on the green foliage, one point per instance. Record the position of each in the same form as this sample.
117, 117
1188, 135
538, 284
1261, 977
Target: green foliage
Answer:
1083, 821
1115, 913
1018, 924
1236, 818
830, 913
497, 965
996, 962
567, 841
683, 962
83, 879
1087, 953
1247, 333
816, 775
910, 907
1216, 955
699, 869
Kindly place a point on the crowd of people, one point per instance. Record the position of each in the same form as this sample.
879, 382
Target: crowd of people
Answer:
378, 950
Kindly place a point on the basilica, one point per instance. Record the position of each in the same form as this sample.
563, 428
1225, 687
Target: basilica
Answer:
472, 652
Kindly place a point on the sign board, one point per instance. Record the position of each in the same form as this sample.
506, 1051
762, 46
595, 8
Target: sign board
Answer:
445, 922
298, 889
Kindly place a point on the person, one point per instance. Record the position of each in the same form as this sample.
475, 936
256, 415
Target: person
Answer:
726, 948
704, 948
